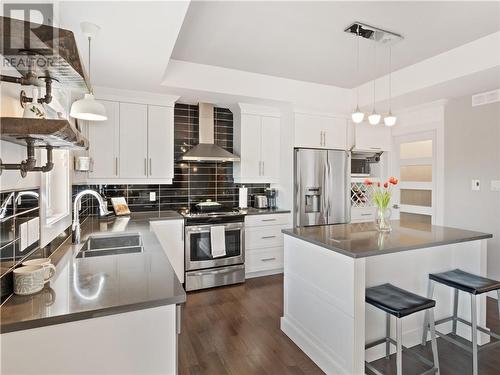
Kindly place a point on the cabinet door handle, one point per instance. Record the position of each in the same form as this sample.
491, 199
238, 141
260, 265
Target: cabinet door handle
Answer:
268, 219
150, 167
267, 259
116, 166
263, 169
321, 138
268, 237
324, 138
145, 167
366, 214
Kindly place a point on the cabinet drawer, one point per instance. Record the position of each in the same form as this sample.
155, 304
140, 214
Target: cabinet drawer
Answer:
262, 237
264, 259
263, 220
362, 214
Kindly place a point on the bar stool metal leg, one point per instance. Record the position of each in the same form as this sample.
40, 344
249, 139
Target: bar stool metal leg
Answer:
430, 292
387, 335
399, 347
455, 311
473, 322
498, 301
433, 340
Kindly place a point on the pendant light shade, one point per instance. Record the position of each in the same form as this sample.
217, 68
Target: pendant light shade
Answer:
357, 116
88, 108
390, 119
374, 118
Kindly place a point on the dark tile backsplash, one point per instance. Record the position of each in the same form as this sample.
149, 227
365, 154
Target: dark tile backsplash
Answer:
20, 208
193, 181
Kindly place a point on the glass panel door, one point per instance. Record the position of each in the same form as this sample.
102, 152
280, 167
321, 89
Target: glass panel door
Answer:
414, 161
200, 248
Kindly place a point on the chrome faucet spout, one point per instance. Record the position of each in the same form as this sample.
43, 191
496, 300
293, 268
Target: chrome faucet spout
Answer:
103, 211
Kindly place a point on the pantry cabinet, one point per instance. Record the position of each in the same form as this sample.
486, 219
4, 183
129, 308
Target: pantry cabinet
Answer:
134, 145
320, 131
256, 139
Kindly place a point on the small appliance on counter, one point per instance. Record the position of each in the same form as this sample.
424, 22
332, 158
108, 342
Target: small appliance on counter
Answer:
272, 197
260, 201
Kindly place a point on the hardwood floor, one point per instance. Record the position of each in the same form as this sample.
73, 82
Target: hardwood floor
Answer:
235, 330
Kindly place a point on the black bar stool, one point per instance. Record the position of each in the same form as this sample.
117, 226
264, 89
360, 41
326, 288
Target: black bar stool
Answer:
474, 285
400, 303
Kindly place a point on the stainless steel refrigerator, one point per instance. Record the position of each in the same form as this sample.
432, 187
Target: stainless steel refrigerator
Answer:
321, 187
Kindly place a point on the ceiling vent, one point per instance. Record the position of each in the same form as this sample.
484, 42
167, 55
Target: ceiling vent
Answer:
486, 98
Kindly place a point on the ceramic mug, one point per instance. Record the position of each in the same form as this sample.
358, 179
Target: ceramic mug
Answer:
49, 268
28, 279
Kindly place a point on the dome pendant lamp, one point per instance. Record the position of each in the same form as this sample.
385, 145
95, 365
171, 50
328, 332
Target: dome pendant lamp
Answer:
88, 108
374, 117
357, 116
390, 119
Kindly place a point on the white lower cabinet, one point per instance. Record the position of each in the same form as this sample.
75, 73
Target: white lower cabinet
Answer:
362, 215
170, 234
264, 244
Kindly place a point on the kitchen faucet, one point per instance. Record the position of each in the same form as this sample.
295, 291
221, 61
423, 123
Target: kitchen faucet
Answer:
103, 211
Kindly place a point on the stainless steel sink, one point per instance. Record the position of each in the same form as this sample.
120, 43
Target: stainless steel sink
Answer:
115, 244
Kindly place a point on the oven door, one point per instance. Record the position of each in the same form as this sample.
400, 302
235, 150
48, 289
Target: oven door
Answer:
199, 252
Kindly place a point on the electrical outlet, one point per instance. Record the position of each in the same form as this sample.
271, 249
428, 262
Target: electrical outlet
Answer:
152, 196
476, 185
495, 185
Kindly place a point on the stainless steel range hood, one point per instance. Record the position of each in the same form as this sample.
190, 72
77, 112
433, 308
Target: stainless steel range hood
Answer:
206, 150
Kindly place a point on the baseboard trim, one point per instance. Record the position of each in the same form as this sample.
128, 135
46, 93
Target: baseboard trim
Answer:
251, 275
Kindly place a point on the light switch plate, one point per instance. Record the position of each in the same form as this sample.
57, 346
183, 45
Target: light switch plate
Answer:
23, 229
152, 196
476, 185
495, 185
33, 231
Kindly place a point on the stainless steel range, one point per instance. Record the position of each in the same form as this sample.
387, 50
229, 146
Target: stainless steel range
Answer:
214, 246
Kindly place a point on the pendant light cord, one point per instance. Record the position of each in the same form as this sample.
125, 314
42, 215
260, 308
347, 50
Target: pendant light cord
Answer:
374, 73
90, 79
390, 79
357, 66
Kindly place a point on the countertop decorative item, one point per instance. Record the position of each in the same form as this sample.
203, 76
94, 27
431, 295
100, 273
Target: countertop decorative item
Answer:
29, 279
381, 196
34, 109
120, 206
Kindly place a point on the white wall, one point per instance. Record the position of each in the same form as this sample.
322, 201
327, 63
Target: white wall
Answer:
472, 151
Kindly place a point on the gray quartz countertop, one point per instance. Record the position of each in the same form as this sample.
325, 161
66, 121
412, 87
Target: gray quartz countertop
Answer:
363, 240
84, 288
264, 211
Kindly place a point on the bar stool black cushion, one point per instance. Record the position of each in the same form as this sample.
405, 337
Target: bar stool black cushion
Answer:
397, 301
465, 281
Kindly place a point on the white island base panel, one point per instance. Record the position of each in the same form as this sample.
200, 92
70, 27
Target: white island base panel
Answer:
324, 298
138, 342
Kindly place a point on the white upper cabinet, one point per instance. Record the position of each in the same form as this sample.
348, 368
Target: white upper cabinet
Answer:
160, 142
256, 139
320, 131
270, 147
134, 145
133, 140
372, 138
104, 143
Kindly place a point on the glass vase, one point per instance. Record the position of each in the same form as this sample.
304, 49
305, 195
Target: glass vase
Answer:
383, 219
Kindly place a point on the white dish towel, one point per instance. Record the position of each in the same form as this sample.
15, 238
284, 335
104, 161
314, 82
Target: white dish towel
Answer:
218, 241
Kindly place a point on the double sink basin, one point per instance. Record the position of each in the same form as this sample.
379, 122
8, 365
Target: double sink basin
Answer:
114, 244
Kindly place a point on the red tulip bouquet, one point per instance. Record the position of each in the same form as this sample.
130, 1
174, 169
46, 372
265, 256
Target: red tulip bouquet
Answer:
381, 197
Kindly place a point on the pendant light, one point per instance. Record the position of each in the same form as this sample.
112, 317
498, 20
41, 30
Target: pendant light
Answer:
357, 116
374, 117
390, 119
88, 108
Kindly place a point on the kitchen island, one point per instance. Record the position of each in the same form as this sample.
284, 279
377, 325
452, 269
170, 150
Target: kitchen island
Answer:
326, 271
99, 314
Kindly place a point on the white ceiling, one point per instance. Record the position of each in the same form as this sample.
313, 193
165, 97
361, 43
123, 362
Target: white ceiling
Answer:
134, 45
305, 40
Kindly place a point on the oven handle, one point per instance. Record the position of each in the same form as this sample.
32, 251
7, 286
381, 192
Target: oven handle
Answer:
206, 228
216, 272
